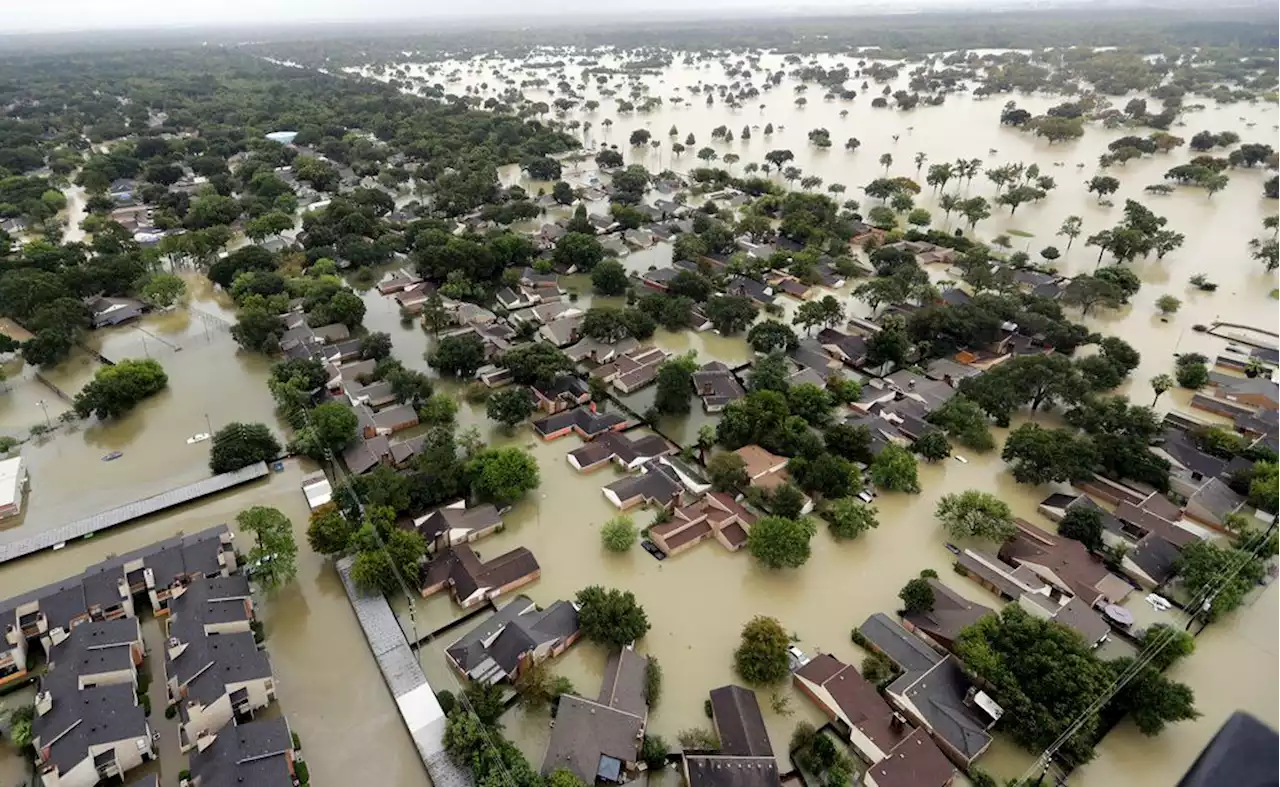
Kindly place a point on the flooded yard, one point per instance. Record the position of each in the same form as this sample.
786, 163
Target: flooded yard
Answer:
697, 601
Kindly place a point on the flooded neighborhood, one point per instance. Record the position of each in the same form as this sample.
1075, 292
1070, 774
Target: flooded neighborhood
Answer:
480, 528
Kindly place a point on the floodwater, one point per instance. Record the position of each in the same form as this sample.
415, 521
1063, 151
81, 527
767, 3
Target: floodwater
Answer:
698, 601
328, 684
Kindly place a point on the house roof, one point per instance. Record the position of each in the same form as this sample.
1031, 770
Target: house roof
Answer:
759, 461
739, 722
906, 650
1080, 617
1251, 386
857, 700
250, 753
516, 629
713, 770
467, 574
583, 419
1182, 449
82, 719
443, 520
623, 683
951, 613
593, 738
658, 484
1068, 559
1156, 557
1150, 522
625, 449
915, 762
939, 694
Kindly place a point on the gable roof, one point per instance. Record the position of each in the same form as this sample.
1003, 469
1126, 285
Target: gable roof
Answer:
904, 649
950, 614
939, 694
739, 722
915, 762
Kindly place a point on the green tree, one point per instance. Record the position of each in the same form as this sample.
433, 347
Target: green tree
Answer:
1152, 700
1083, 524
238, 445
772, 336
917, 596
609, 277
976, 514
502, 475
578, 250
610, 617
1191, 371
1173, 645
787, 501
932, 446
458, 356
965, 422
894, 469
536, 363
1041, 456
1168, 304
1159, 384
675, 385
727, 472
847, 517
761, 656
1227, 572
273, 560
162, 290
652, 682
654, 750
779, 542
329, 532
510, 406
375, 346
115, 390
332, 428
619, 534
730, 314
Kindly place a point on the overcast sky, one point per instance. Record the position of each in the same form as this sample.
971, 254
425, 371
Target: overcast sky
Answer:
64, 15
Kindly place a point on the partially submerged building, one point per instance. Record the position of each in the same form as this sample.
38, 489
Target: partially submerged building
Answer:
599, 740
515, 637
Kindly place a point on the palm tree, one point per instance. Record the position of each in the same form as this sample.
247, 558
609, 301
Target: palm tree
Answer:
948, 203
920, 159
1071, 227
886, 160
1160, 383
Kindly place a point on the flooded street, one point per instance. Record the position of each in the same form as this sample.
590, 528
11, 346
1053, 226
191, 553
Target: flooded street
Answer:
697, 601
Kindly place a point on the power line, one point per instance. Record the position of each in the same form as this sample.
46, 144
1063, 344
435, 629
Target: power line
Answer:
1199, 603
461, 696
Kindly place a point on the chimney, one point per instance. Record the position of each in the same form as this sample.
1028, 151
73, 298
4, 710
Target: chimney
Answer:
897, 723
911, 384
44, 702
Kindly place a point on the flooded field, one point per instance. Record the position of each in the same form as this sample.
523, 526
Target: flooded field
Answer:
697, 601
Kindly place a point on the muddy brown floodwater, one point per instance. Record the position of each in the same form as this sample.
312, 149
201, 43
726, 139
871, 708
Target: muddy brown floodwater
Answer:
698, 601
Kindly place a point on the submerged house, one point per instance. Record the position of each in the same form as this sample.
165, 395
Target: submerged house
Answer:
745, 756
456, 524
515, 637
714, 515
473, 581
599, 740
933, 692
896, 753
626, 453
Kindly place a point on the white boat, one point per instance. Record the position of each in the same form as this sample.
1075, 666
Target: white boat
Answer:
197, 438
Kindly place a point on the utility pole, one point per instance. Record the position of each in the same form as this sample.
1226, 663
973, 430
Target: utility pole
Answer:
45, 407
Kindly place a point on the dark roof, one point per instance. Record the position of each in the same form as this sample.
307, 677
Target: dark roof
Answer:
939, 695
627, 450
906, 650
80, 719
583, 419
857, 699
1242, 753
464, 571
470, 651
623, 683
712, 770
915, 762
251, 753
1155, 557
658, 484
442, 520
98, 646
211, 661
951, 613
1179, 445
739, 722
590, 739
